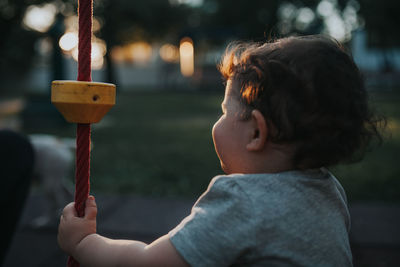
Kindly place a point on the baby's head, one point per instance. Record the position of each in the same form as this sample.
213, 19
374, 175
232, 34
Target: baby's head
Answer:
310, 93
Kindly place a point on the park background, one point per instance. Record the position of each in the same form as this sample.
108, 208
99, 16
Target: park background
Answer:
162, 55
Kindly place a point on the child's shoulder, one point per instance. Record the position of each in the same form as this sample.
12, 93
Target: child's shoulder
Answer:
289, 186
267, 180
265, 213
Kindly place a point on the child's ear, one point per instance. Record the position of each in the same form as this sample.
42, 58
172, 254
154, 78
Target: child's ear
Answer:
259, 131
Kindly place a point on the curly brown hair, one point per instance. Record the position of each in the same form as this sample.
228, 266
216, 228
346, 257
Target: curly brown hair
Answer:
311, 93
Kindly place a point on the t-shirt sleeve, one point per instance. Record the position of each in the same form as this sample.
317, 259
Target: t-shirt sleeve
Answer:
219, 229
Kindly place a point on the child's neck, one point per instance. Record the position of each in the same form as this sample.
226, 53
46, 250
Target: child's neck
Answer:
275, 158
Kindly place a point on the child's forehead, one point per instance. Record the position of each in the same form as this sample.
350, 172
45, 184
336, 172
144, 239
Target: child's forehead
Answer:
231, 88
231, 94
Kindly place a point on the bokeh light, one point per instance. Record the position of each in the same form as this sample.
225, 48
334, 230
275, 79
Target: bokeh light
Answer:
326, 8
169, 53
193, 3
140, 52
68, 41
40, 18
304, 18
186, 52
336, 27
117, 54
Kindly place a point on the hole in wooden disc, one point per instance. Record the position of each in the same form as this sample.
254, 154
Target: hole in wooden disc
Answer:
96, 97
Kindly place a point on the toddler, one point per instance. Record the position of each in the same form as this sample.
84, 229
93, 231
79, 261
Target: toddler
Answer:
292, 107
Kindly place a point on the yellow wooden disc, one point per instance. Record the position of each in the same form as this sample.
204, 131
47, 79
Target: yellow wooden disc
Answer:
82, 102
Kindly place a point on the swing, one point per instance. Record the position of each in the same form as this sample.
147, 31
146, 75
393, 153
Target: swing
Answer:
83, 102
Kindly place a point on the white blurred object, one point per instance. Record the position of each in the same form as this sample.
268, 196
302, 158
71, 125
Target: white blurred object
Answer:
54, 158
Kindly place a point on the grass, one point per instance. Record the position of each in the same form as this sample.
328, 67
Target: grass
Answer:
159, 143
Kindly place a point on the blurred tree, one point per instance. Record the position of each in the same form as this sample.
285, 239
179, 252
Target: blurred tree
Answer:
216, 21
126, 21
55, 32
382, 22
17, 43
221, 20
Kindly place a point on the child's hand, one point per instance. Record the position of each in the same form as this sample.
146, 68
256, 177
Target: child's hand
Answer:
73, 229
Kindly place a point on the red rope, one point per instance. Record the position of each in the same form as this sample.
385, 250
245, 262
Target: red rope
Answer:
82, 174
85, 12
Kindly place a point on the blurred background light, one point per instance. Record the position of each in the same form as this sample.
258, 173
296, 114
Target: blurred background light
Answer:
336, 27
286, 11
140, 52
71, 23
169, 53
40, 18
304, 18
186, 52
193, 3
326, 7
68, 41
117, 54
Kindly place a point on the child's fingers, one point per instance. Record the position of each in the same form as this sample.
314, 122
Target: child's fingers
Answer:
69, 211
90, 208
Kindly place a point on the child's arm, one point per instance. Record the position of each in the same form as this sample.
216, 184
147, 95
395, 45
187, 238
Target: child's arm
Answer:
77, 236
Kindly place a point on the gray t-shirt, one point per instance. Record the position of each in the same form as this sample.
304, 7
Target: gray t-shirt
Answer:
293, 218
